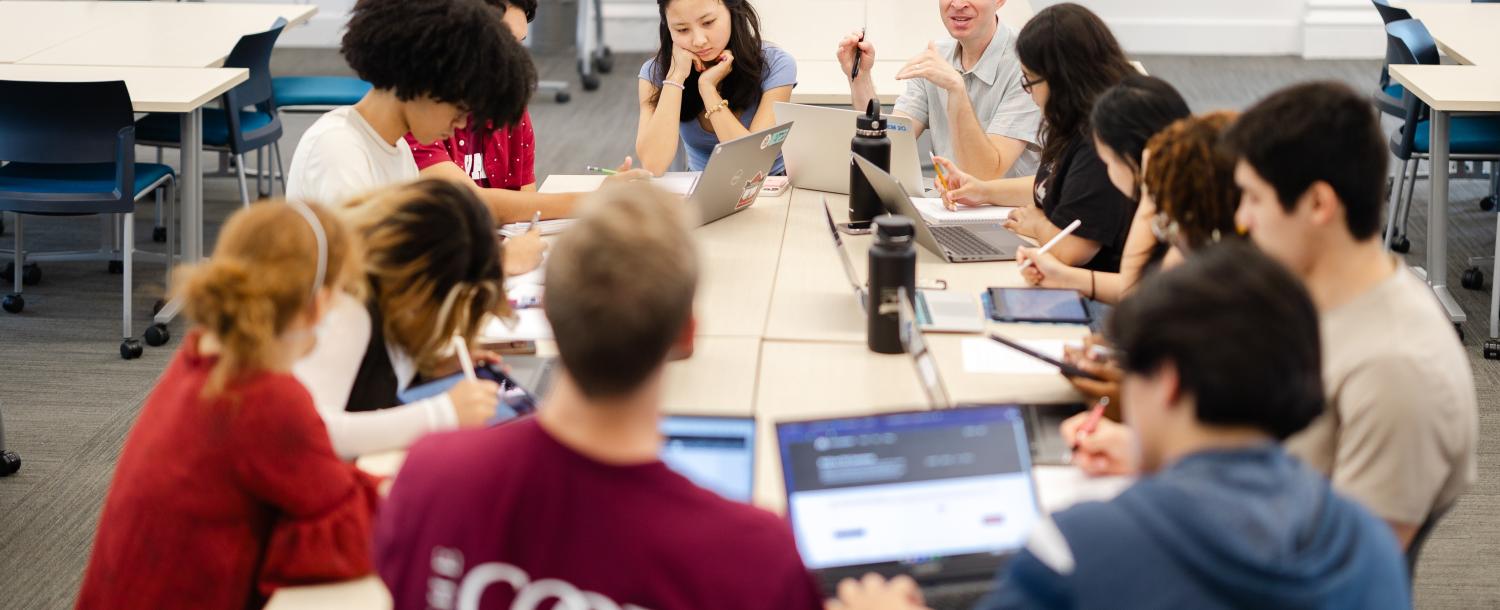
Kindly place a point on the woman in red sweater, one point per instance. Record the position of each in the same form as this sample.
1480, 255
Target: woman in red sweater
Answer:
227, 486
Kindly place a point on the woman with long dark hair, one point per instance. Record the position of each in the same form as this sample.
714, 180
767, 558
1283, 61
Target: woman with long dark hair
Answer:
1068, 58
713, 80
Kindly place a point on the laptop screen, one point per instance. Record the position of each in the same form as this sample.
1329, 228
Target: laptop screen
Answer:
716, 453
921, 357
838, 246
908, 487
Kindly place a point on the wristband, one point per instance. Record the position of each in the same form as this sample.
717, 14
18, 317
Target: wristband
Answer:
674, 84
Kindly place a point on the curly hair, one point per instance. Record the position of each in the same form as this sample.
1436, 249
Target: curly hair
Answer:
1190, 176
408, 47
742, 86
1071, 49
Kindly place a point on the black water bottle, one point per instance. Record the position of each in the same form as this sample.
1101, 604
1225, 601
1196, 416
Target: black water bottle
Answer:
893, 265
871, 143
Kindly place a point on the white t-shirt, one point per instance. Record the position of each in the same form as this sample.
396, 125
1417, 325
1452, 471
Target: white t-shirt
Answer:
342, 156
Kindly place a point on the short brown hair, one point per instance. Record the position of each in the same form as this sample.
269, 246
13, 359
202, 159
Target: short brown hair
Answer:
1190, 177
620, 287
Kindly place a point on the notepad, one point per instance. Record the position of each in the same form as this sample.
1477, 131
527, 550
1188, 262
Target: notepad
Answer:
680, 183
530, 325
548, 227
934, 213
986, 356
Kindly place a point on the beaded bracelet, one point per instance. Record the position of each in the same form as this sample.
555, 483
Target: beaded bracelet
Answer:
717, 107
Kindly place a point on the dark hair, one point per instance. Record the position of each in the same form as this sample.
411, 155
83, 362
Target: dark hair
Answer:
1241, 331
1074, 52
1128, 114
410, 48
526, 6
742, 86
1317, 132
1191, 178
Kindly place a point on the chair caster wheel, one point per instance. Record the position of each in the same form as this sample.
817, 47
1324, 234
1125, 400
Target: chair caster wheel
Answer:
13, 303
117, 267
159, 235
562, 97
1401, 244
1492, 349
10, 463
1472, 278
31, 273
604, 63
1487, 204
158, 335
590, 82
157, 306
130, 349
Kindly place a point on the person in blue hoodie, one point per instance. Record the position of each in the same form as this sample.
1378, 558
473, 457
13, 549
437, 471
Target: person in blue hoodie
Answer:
1221, 361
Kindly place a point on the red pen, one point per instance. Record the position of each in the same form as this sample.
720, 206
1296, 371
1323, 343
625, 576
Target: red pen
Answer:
1091, 423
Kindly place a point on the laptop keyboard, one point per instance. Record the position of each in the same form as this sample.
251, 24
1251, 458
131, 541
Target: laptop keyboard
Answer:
963, 242
964, 596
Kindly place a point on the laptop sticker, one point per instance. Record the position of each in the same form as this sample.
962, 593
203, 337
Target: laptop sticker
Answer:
752, 190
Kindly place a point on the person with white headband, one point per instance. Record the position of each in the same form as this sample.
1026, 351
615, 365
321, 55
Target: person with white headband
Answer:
227, 486
434, 270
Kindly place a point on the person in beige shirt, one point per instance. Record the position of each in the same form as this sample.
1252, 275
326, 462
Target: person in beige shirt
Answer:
1399, 429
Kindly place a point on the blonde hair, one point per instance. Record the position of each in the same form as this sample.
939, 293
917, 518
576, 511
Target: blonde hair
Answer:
259, 279
620, 287
433, 259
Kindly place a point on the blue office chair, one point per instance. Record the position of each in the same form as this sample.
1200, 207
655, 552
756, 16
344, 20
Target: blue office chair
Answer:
1469, 137
1387, 95
71, 152
247, 120
317, 94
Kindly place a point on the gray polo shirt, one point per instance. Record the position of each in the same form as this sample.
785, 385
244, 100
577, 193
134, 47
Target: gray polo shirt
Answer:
994, 87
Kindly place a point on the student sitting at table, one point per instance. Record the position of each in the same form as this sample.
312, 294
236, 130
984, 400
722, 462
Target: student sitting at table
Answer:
1402, 421
434, 270
489, 77
1221, 360
573, 504
1069, 58
713, 80
966, 90
226, 487
500, 162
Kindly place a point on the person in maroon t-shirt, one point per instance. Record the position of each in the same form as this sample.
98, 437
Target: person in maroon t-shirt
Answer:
501, 162
572, 505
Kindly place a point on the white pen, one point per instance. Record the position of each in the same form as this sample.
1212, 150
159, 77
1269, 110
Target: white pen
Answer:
1052, 242
535, 218
462, 347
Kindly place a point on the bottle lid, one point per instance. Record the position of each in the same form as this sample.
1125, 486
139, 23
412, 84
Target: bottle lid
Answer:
891, 228
871, 119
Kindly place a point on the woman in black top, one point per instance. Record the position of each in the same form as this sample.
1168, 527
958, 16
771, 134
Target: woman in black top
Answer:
1068, 58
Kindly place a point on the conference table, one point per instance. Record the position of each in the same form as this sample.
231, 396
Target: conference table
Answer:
76, 41
781, 337
1465, 33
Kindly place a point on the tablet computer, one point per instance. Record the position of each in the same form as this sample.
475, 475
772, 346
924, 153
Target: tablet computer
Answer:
1037, 305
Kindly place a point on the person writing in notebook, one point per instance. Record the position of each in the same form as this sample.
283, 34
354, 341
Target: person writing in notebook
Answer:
1221, 361
500, 161
573, 503
966, 90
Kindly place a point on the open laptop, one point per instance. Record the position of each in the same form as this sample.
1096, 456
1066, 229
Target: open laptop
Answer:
937, 311
946, 497
817, 157
732, 179
716, 453
956, 243
1043, 422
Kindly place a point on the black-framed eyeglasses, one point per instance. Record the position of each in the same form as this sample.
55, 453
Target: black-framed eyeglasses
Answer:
1026, 85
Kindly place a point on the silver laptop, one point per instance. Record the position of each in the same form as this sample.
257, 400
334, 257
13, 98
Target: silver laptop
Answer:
937, 311
946, 497
956, 243
1043, 421
817, 157
731, 181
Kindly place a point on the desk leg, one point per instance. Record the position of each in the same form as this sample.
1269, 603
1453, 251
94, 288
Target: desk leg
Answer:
1437, 219
191, 181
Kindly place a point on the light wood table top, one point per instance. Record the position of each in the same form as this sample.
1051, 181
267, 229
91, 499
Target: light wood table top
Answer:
175, 90
147, 34
1463, 31
1452, 88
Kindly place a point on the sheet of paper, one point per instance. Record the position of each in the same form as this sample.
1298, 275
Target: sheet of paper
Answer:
932, 209
986, 356
530, 325
1062, 486
548, 227
680, 183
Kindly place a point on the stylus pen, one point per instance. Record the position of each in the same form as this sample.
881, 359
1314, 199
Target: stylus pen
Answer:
462, 347
1068, 230
1091, 423
600, 170
535, 218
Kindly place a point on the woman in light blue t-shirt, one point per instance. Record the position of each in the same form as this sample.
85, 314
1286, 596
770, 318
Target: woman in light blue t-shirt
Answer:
713, 80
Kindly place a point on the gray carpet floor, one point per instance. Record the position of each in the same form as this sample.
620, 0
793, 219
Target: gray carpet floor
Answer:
69, 400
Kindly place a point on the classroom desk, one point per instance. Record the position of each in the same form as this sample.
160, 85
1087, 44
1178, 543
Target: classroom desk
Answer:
1465, 32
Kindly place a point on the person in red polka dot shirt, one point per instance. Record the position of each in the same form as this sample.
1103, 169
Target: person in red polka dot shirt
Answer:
501, 162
